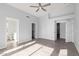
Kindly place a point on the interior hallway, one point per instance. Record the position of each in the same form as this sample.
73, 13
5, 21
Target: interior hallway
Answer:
42, 47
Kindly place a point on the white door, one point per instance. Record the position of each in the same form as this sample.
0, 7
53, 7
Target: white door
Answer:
69, 32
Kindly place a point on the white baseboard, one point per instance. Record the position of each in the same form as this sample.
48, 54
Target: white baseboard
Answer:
24, 41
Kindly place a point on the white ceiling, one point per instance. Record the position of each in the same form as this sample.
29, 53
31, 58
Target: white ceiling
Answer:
54, 8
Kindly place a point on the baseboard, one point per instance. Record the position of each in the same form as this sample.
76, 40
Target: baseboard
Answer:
21, 43
46, 39
2, 48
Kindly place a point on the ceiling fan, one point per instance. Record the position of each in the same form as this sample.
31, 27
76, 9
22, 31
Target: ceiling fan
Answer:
40, 6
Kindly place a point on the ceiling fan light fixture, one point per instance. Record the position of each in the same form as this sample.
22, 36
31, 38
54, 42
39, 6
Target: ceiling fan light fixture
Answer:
40, 6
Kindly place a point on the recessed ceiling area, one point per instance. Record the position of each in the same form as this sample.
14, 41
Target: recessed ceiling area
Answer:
53, 9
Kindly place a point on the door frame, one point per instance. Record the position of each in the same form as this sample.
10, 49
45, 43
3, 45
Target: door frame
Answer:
55, 30
17, 30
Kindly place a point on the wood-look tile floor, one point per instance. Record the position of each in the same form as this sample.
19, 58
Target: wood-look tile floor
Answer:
42, 47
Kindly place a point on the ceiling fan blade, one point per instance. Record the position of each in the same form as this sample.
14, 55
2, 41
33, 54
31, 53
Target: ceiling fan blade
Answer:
40, 4
43, 9
46, 5
37, 10
34, 6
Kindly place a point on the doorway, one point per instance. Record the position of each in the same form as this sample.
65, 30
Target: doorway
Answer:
60, 30
33, 31
12, 32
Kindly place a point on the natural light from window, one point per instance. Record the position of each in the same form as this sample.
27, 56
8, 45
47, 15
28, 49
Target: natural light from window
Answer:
63, 52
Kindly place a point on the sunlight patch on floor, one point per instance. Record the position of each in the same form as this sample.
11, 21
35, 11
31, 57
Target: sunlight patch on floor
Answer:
16, 48
27, 51
63, 52
44, 51
11, 44
34, 50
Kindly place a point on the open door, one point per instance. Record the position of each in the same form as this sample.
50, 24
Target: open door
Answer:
69, 31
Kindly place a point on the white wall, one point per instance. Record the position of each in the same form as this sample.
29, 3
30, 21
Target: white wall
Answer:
76, 27
44, 27
69, 30
12, 26
24, 23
